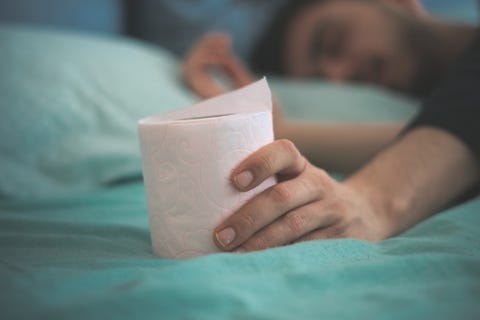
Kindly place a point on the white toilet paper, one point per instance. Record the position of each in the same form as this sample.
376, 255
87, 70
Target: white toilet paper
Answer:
188, 156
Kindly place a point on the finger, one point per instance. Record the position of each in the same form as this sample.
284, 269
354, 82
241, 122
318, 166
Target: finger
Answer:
199, 79
237, 71
265, 208
223, 45
209, 51
216, 40
333, 231
204, 85
291, 227
280, 157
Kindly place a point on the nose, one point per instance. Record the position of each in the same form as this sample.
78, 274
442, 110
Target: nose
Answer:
336, 70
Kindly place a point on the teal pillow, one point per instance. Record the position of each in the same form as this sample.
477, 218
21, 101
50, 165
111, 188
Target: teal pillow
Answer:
328, 102
69, 105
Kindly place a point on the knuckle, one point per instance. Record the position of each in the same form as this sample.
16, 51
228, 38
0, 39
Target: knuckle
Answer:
288, 146
281, 194
321, 179
321, 176
247, 219
296, 223
258, 242
263, 165
315, 185
337, 206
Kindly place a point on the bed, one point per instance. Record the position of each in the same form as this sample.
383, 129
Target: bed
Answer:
74, 235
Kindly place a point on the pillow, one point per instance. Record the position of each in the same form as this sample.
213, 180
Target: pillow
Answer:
329, 102
69, 106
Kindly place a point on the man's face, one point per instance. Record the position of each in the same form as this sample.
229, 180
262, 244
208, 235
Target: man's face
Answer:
357, 41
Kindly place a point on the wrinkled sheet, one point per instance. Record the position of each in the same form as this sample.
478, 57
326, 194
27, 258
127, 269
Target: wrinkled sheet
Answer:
89, 257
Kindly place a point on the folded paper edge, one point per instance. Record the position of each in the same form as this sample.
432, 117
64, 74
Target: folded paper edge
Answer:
254, 97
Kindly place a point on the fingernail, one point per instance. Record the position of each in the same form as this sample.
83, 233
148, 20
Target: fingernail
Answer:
225, 236
244, 179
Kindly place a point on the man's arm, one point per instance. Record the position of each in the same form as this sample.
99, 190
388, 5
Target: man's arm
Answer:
338, 147
417, 176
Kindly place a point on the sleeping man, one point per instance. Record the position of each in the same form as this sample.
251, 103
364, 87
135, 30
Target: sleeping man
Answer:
399, 176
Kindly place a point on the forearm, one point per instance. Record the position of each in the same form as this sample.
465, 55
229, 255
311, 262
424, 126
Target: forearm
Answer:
342, 147
416, 177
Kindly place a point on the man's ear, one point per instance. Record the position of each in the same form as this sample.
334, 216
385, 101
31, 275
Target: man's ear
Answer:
413, 7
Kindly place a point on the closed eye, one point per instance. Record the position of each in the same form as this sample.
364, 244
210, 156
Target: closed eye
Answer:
329, 39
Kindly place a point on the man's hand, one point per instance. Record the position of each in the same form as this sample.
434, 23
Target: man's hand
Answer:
213, 52
306, 204
409, 181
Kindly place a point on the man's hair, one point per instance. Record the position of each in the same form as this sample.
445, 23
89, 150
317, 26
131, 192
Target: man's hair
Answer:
268, 55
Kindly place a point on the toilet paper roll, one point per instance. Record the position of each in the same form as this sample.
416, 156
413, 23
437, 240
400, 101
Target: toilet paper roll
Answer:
188, 156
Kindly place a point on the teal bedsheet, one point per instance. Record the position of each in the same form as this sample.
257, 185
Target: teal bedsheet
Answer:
89, 257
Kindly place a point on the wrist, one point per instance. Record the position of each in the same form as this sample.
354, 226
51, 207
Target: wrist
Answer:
390, 209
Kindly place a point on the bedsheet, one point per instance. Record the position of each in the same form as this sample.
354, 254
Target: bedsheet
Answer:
88, 256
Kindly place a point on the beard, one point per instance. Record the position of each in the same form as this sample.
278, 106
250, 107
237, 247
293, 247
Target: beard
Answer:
425, 50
